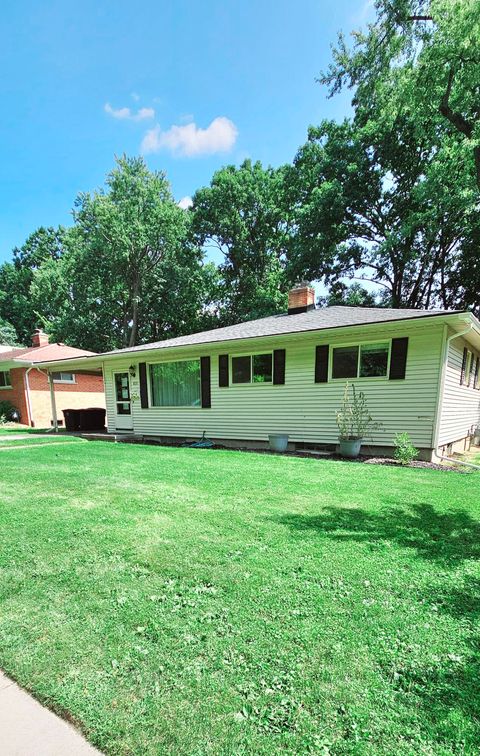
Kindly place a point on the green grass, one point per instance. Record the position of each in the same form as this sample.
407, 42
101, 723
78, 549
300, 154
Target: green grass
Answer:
5, 443
15, 428
180, 601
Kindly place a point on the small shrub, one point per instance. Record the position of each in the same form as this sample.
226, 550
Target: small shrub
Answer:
405, 451
8, 413
353, 418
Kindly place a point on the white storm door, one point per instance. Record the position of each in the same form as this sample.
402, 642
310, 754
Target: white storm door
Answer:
123, 401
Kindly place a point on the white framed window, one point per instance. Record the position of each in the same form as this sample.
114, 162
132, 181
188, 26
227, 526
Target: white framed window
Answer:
175, 384
63, 377
5, 381
367, 360
252, 368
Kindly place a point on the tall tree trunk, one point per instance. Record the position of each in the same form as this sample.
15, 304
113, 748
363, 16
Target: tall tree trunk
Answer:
135, 307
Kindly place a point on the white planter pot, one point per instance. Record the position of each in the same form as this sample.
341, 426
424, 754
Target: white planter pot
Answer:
278, 441
350, 447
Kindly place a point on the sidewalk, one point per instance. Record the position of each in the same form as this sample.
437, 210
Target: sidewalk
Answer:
28, 729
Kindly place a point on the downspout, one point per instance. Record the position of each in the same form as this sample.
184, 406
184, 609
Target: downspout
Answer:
458, 461
446, 349
27, 394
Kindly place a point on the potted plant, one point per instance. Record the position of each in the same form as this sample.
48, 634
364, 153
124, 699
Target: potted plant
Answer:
353, 421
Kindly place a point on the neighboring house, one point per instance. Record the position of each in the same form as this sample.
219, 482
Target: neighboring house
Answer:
286, 374
24, 382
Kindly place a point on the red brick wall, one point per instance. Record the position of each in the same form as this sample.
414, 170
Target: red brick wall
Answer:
16, 395
87, 391
38, 382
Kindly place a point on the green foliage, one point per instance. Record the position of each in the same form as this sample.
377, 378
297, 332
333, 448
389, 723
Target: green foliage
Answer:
390, 196
243, 216
16, 305
354, 295
228, 603
8, 411
129, 272
8, 334
405, 451
415, 97
377, 201
353, 418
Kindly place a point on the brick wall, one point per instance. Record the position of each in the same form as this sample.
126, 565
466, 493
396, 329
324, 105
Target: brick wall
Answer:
16, 394
87, 391
83, 383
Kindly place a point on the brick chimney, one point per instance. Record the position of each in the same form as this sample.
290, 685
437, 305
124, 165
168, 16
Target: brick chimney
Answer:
39, 338
301, 298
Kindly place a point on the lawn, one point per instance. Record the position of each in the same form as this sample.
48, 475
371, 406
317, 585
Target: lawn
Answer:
9, 428
181, 601
6, 443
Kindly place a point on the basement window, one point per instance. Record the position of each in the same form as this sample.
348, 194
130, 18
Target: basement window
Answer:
5, 381
63, 377
252, 368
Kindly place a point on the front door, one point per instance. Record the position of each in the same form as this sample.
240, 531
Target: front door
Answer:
123, 402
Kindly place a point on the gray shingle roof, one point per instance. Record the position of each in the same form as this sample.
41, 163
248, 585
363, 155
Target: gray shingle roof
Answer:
327, 317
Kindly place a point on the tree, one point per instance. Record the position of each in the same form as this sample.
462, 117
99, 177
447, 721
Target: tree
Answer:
135, 236
354, 295
8, 335
379, 204
129, 272
392, 195
16, 278
243, 217
420, 57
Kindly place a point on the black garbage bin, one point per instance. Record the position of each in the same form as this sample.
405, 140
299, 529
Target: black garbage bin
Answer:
72, 419
92, 419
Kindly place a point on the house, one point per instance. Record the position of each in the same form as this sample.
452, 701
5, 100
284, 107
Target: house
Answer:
418, 369
25, 384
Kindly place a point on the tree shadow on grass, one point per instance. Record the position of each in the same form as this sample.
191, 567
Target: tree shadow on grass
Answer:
447, 537
447, 692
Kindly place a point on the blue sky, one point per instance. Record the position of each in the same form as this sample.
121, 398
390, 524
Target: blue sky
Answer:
194, 85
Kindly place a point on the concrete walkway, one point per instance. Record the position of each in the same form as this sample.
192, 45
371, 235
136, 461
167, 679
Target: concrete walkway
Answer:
28, 729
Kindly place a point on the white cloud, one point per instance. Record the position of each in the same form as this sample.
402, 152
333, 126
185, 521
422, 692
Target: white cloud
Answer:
135, 96
185, 202
190, 140
125, 114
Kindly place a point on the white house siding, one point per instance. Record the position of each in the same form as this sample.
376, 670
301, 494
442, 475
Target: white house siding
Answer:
460, 411
302, 408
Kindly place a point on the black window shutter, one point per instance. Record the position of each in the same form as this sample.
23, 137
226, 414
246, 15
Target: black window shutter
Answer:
398, 358
278, 366
205, 381
321, 364
477, 371
464, 366
142, 369
223, 370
